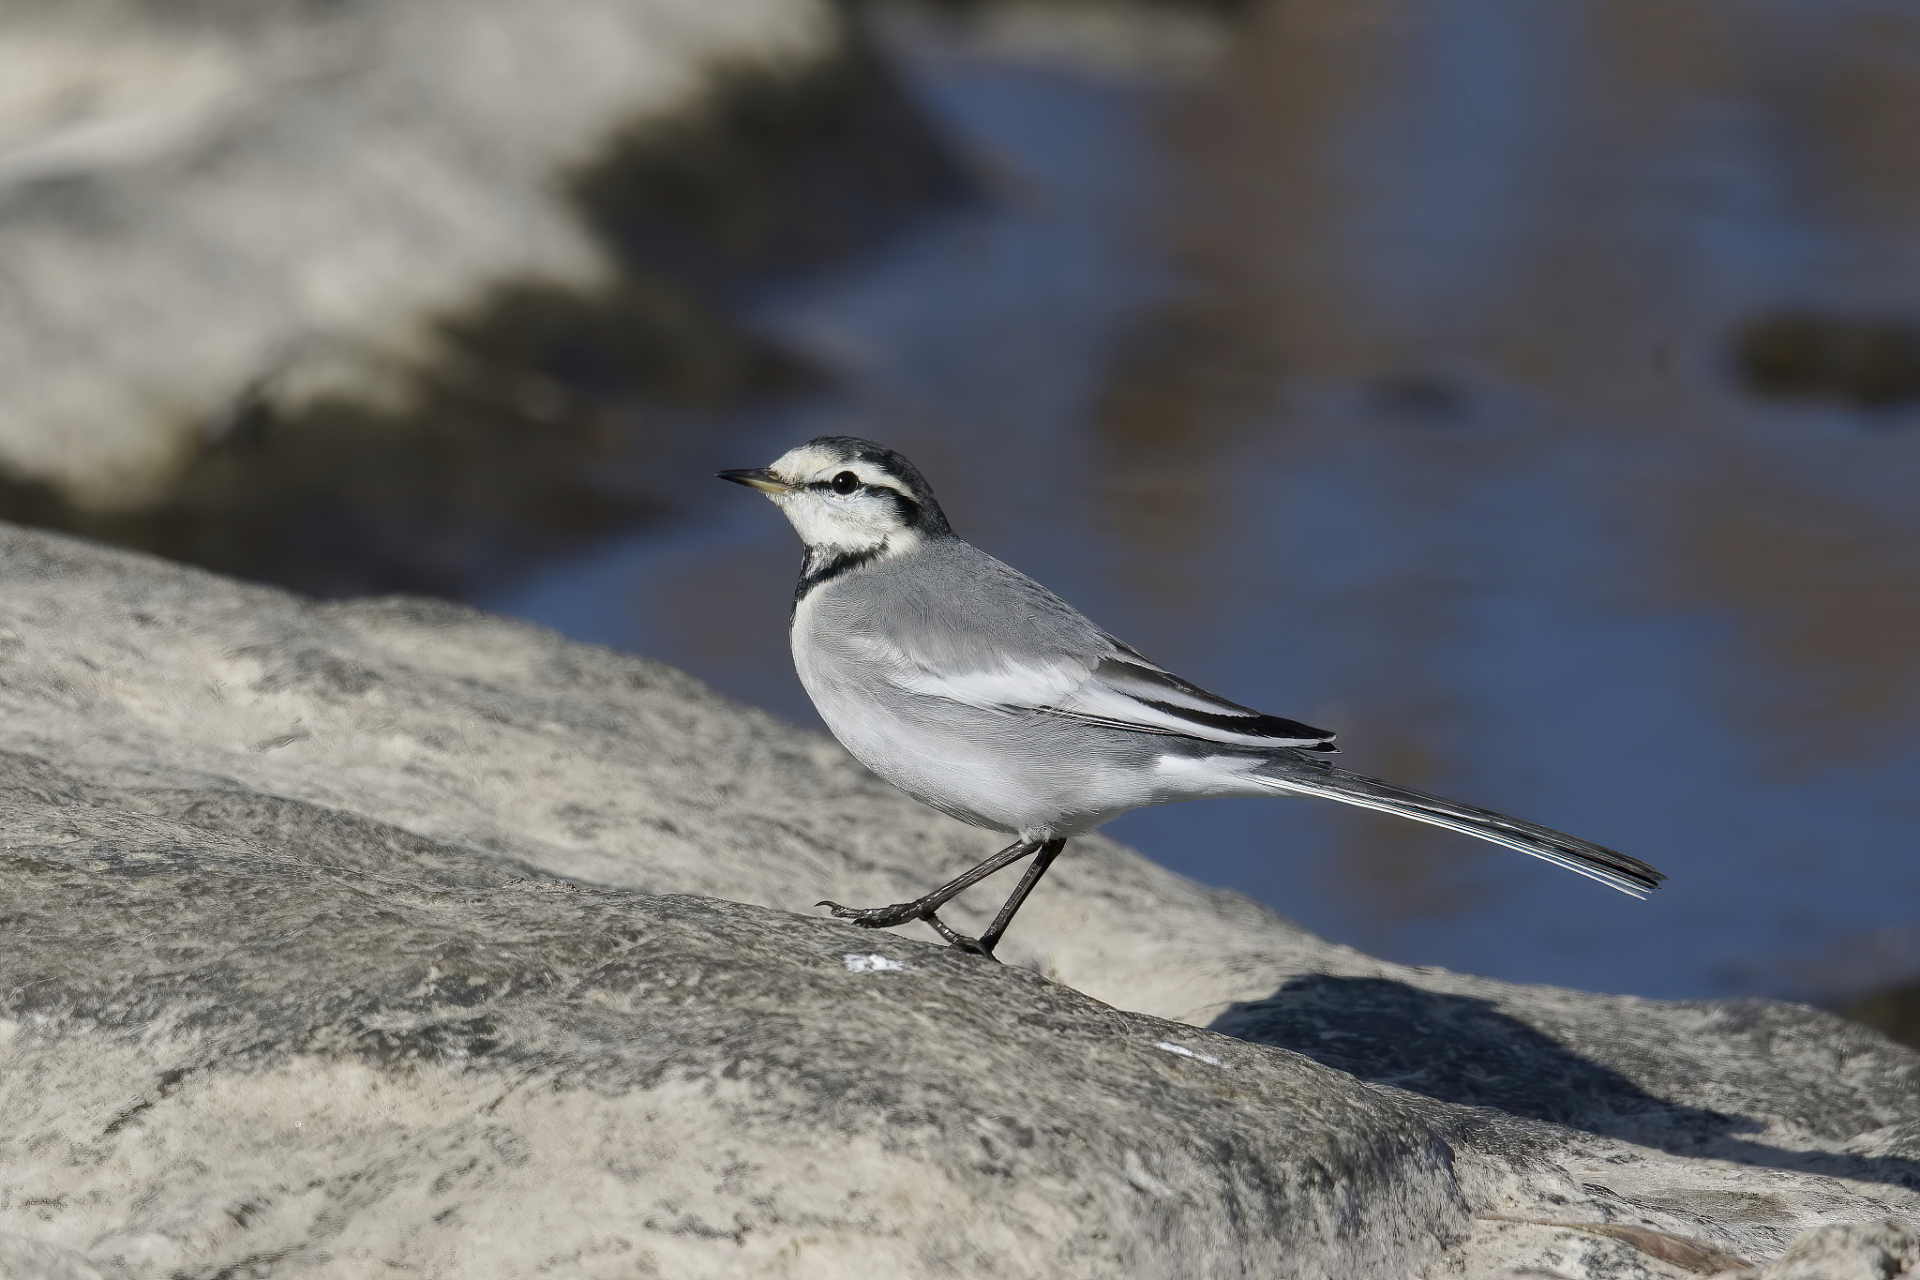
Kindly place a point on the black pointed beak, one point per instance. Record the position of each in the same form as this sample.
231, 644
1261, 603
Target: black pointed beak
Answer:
756, 478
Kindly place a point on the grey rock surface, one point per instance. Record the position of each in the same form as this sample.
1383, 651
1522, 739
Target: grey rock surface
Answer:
1845, 1251
341, 938
498, 1072
204, 205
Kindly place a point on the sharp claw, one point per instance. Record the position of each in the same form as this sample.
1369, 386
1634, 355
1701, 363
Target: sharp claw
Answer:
862, 916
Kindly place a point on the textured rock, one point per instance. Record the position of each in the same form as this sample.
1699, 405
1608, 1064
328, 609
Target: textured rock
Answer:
1845, 1251
340, 938
498, 1072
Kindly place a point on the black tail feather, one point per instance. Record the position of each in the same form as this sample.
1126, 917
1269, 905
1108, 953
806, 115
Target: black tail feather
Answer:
1616, 870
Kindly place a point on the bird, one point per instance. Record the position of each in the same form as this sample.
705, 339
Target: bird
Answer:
978, 692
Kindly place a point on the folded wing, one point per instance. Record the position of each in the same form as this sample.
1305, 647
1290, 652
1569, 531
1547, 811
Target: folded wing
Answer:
1126, 691
1120, 691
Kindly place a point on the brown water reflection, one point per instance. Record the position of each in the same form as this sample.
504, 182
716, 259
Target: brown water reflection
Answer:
1829, 596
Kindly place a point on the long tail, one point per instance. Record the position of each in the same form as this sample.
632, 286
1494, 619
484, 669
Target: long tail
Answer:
1308, 776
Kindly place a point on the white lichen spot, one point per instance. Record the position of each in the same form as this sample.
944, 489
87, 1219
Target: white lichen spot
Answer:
868, 963
1170, 1047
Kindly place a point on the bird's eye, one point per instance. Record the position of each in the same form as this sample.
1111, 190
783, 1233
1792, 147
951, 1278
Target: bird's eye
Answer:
845, 482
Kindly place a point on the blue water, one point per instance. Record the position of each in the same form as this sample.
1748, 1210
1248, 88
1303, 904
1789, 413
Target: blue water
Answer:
1379, 377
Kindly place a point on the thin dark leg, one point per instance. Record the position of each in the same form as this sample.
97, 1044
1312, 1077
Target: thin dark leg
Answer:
955, 939
1035, 869
923, 907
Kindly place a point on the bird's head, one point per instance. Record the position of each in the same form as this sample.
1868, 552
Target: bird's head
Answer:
849, 496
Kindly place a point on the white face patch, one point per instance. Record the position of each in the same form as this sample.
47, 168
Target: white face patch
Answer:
809, 462
865, 520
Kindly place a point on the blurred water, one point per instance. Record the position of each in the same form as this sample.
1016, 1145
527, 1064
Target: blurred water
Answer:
1380, 374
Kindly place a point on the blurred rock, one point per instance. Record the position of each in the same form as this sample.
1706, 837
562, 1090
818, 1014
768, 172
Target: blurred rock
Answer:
348, 938
1868, 363
374, 296
24, 1259
1845, 1251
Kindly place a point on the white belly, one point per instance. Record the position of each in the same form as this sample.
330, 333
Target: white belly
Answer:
1031, 774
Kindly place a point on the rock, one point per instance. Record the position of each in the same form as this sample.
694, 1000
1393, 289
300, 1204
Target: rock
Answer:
1845, 1251
190, 203
347, 296
25, 1259
499, 1073
342, 938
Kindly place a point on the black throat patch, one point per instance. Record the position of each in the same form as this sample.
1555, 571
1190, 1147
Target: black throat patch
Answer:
824, 564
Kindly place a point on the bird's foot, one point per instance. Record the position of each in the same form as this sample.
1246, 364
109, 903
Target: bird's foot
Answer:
958, 941
878, 917
901, 913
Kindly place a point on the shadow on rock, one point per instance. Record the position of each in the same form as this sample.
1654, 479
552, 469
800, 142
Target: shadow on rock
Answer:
1464, 1050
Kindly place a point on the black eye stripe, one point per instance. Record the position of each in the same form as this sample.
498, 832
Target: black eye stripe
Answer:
829, 486
906, 507
900, 482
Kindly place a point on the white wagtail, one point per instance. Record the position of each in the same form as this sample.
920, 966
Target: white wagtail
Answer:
976, 690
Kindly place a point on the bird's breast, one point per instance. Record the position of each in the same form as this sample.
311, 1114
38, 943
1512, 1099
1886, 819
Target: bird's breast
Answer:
1004, 769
